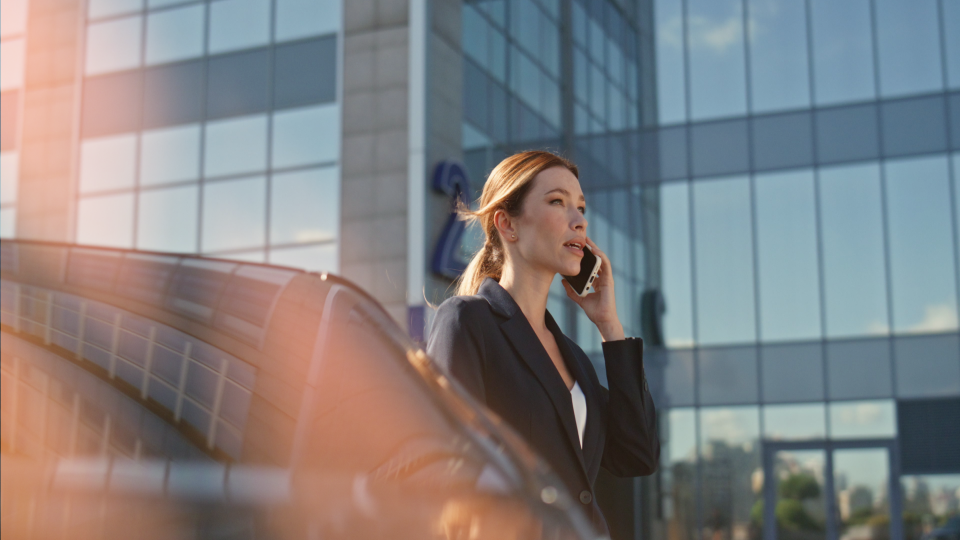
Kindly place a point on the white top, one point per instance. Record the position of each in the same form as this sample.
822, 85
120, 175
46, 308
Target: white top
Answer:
579, 409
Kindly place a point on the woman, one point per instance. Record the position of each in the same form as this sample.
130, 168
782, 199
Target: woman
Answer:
497, 339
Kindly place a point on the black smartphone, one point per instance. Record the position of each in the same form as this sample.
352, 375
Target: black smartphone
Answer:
589, 266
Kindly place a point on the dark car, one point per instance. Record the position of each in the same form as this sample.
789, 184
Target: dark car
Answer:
152, 395
949, 531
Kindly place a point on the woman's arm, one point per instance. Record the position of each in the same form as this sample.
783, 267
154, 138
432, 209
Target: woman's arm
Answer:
456, 346
632, 446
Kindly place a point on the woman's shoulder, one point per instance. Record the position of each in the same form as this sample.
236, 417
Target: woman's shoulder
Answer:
463, 307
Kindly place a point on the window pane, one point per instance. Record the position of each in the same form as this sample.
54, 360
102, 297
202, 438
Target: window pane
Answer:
175, 34
854, 274
842, 50
729, 453
794, 422
679, 466
727, 375
103, 8
167, 219
305, 72
859, 369
779, 74
302, 18
306, 136
106, 221
862, 419
8, 222
792, 372
322, 258
927, 366
675, 270
9, 177
11, 64
13, 17
170, 155
717, 72
108, 163
304, 206
921, 246
113, 45
908, 37
724, 261
236, 146
233, 214
951, 26
787, 256
239, 24
238, 83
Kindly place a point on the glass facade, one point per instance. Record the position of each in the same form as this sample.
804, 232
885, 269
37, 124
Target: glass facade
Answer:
792, 175
13, 29
212, 128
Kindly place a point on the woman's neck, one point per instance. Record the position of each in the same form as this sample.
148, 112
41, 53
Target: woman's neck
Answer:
529, 289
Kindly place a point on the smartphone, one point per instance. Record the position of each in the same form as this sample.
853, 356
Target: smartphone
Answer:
582, 283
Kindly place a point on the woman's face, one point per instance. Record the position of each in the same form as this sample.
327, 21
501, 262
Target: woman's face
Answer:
551, 228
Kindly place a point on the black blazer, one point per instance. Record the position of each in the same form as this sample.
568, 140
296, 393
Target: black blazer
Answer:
486, 343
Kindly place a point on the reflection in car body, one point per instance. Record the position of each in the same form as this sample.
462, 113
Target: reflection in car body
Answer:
181, 397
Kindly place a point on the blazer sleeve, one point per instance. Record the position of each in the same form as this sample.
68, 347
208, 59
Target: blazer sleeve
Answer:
457, 346
632, 446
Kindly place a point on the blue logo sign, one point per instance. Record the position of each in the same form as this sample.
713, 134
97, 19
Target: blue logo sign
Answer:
450, 178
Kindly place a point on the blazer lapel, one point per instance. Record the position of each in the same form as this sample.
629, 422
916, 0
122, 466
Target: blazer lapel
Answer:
518, 330
591, 432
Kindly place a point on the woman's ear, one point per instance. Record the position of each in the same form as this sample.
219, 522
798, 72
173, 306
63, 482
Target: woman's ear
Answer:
504, 224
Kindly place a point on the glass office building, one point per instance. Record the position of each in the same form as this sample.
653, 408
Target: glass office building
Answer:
777, 183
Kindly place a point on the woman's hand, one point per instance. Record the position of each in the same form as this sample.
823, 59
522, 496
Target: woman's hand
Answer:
601, 305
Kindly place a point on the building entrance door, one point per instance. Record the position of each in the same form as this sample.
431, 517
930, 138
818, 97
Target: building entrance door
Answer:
831, 490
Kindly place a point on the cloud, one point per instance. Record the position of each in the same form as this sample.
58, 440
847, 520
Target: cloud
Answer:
715, 35
936, 318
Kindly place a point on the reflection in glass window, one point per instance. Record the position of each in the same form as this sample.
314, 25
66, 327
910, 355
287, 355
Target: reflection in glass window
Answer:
922, 269
670, 74
779, 74
862, 419
303, 18
13, 17
927, 499
233, 214
951, 27
854, 276
908, 39
235, 146
794, 422
679, 474
717, 65
239, 24
113, 45
167, 219
306, 136
321, 258
676, 264
789, 284
106, 221
104, 8
724, 261
11, 64
842, 50
305, 206
175, 34
8, 222
108, 163
730, 469
170, 155
9, 176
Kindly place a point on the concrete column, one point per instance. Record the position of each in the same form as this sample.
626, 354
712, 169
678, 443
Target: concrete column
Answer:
51, 120
398, 56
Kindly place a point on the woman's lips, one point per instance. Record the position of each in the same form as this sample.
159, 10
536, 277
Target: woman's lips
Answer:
574, 249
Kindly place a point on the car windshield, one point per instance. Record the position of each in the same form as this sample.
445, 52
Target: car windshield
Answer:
189, 397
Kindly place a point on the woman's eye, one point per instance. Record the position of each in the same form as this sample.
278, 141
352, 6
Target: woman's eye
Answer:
583, 210
557, 200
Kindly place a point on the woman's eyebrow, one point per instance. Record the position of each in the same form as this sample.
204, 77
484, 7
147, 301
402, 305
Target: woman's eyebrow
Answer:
565, 192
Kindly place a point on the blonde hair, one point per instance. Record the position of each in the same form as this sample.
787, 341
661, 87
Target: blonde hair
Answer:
505, 189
